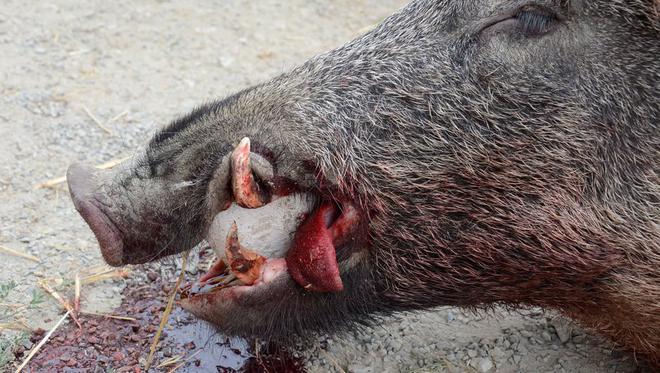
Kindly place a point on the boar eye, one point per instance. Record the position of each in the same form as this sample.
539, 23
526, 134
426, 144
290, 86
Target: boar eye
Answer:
535, 21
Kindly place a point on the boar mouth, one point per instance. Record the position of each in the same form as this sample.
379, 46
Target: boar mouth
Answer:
307, 253
308, 230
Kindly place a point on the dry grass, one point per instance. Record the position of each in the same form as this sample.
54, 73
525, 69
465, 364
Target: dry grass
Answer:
64, 302
166, 313
43, 341
96, 121
13, 252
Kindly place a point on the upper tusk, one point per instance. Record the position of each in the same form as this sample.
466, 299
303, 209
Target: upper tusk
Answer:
246, 190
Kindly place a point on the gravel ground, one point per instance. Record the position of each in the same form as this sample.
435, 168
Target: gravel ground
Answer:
90, 81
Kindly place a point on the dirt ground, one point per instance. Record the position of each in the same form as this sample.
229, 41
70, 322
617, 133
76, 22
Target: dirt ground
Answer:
91, 81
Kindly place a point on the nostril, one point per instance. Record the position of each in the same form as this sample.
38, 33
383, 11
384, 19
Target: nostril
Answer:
83, 182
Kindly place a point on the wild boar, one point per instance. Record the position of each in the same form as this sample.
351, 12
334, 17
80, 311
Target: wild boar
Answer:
462, 153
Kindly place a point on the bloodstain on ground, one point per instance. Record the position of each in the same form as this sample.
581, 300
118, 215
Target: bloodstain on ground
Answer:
110, 345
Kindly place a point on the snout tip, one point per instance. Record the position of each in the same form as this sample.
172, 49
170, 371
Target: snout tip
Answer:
83, 186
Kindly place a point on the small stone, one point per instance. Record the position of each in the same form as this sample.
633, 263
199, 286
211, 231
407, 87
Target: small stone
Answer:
579, 339
562, 328
27, 344
472, 353
485, 365
497, 353
117, 356
546, 336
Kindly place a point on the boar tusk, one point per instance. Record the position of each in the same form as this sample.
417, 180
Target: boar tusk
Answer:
245, 264
247, 192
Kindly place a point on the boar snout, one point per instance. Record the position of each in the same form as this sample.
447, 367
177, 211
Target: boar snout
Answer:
83, 185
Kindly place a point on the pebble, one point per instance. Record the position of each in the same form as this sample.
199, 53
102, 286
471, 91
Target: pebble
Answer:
546, 336
562, 328
485, 365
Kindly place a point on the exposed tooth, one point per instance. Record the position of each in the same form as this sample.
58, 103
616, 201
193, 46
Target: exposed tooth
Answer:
244, 263
245, 188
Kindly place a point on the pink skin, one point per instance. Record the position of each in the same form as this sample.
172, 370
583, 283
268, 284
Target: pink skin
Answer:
311, 261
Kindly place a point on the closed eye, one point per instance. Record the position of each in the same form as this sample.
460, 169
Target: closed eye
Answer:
526, 21
535, 22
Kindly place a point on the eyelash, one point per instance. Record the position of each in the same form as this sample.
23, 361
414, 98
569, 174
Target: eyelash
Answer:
534, 22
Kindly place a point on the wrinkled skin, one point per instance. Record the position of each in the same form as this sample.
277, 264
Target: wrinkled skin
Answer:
495, 157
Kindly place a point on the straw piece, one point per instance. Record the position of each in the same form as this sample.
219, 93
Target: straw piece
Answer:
41, 343
9, 251
98, 122
65, 303
76, 298
20, 326
124, 318
177, 367
166, 313
171, 361
108, 274
59, 180
185, 361
123, 113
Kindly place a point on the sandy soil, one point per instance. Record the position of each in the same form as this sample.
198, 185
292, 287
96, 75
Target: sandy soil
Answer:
131, 66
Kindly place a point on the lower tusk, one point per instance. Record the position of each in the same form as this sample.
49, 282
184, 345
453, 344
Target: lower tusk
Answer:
245, 264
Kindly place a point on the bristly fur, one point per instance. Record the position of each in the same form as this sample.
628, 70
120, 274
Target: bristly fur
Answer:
492, 166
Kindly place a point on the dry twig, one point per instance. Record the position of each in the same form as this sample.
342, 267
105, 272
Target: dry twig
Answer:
166, 313
123, 113
104, 275
76, 298
98, 122
65, 303
124, 318
41, 343
9, 251
20, 326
